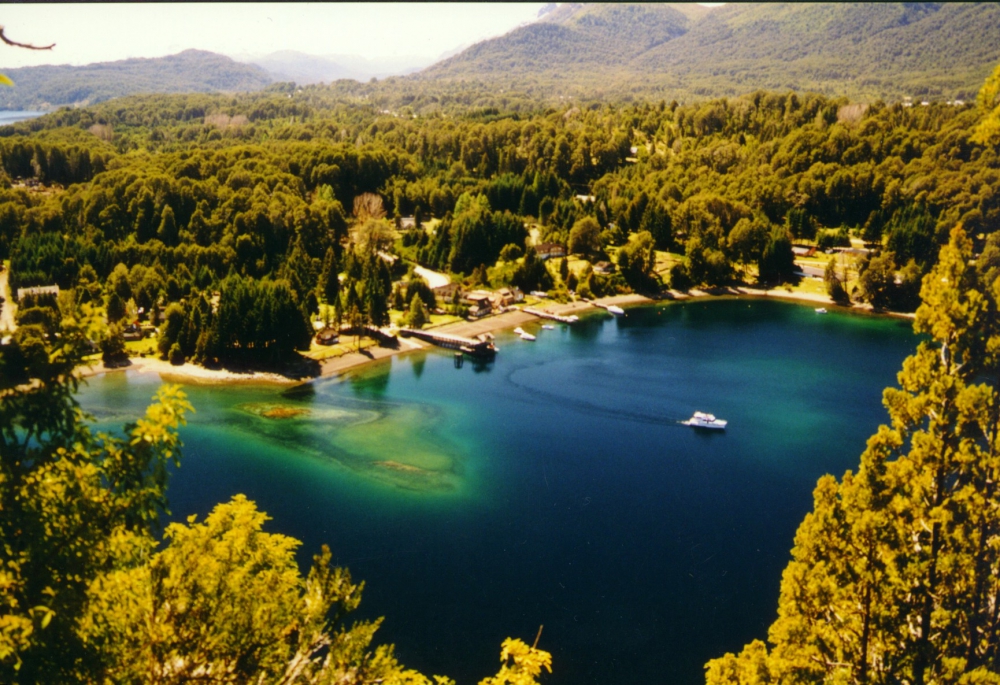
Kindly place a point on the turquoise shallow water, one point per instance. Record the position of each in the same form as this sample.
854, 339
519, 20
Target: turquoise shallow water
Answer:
554, 485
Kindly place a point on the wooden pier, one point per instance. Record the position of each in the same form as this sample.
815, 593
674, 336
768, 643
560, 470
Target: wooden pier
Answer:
573, 318
474, 347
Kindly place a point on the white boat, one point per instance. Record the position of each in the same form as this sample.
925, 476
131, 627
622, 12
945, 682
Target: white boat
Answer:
821, 310
616, 310
703, 420
524, 334
548, 327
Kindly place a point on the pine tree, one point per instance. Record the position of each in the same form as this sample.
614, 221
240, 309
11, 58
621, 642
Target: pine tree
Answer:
417, 317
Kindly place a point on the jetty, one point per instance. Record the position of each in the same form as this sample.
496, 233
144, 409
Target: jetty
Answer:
573, 318
610, 308
482, 348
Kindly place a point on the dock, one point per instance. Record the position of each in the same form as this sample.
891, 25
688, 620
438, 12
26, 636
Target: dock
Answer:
474, 347
573, 318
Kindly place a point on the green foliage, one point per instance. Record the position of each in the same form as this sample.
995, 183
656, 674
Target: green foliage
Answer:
531, 273
584, 237
113, 347
417, 316
73, 503
834, 284
777, 263
637, 260
988, 130
893, 575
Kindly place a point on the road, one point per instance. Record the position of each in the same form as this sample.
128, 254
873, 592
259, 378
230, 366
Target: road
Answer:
810, 270
9, 308
434, 279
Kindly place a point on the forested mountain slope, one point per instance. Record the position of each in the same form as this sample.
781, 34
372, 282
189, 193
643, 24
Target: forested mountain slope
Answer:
871, 51
189, 71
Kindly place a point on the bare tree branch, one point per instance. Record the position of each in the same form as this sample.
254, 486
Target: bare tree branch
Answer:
8, 41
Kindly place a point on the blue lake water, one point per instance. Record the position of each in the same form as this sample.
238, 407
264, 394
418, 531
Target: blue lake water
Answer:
11, 116
554, 486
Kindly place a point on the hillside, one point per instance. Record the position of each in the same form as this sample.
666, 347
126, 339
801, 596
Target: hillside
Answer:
189, 71
571, 43
924, 50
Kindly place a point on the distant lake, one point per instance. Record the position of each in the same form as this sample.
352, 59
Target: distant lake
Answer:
555, 486
12, 116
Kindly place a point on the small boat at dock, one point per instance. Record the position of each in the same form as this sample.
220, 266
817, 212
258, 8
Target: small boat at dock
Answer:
615, 309
548, 327
524, 334
821, 310
707, 421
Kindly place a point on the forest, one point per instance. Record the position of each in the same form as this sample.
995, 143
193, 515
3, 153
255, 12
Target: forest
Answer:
277, 204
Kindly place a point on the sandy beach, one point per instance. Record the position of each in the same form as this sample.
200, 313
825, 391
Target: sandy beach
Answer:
194, 374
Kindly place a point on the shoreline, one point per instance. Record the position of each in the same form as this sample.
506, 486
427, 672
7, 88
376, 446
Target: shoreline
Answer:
192, 374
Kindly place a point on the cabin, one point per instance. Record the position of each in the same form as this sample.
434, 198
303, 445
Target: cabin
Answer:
328, 336
550, 251
405, 223
132, 332
604, 267
448, 293
480, 303
803, 250
509, 296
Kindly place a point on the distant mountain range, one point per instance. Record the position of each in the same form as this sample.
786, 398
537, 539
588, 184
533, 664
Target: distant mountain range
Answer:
290, 65
671, 51
936, 50
197, 71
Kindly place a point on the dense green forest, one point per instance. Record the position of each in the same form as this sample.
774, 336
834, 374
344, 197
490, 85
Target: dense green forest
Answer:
148, 202
191, 71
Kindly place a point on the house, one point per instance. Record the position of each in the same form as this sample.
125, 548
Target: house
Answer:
38, 290
405, 223
549, 251
132, 332
448, 293
509, 296
604, 268
803, 250
585, 199
480, 303
328, 336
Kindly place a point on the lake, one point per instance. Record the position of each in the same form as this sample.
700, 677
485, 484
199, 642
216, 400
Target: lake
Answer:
554, 486
12, 116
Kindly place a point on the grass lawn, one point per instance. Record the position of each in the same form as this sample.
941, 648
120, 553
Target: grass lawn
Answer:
141, 348
347, 344
813, 286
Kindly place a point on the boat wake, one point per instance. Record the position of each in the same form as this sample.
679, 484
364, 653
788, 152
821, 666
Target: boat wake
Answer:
585, 407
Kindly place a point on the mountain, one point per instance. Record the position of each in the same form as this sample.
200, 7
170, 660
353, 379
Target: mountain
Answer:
47, 87
572, 42
290, 65
925, 50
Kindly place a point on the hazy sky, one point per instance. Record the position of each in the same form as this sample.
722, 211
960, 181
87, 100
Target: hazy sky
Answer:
85, 33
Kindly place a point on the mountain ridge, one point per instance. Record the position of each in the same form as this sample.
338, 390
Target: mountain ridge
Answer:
198, 71
866, 51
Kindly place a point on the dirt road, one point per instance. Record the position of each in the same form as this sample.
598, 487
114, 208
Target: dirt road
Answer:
9, 308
